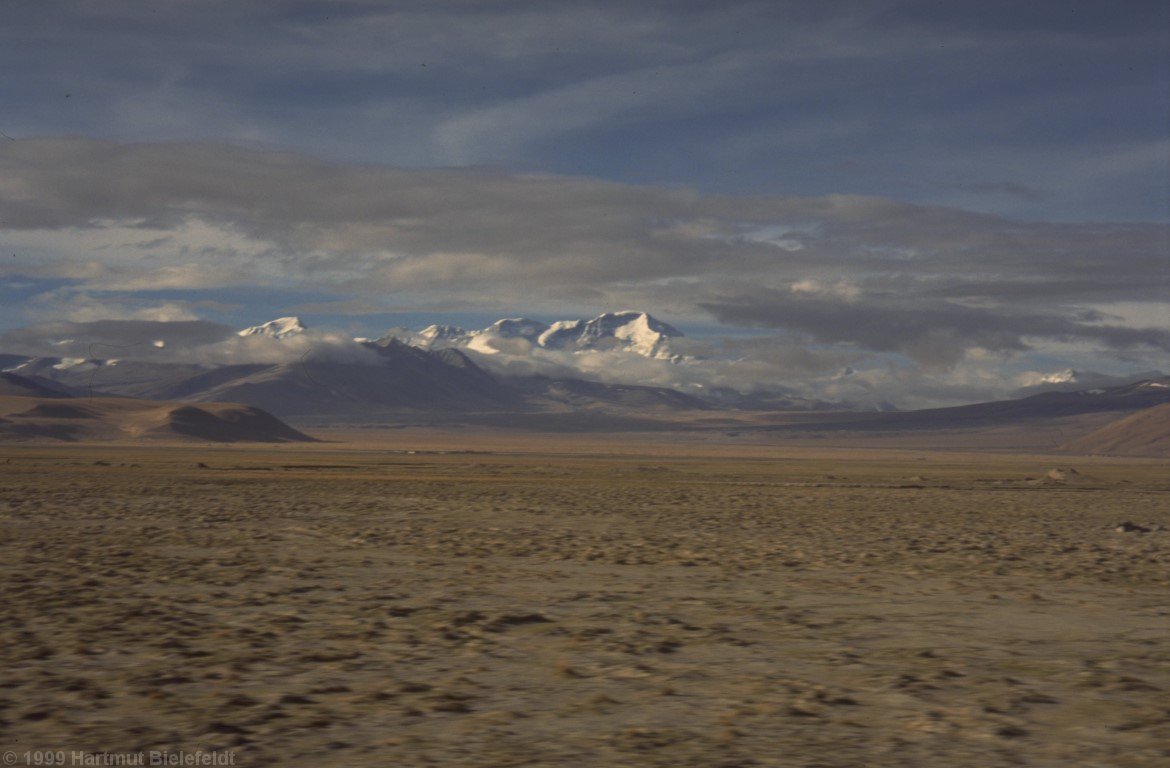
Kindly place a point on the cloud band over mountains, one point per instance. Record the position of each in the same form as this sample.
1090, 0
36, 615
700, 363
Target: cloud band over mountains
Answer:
117, 220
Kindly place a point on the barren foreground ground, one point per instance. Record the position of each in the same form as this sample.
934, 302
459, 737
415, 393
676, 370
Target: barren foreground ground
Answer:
331, 606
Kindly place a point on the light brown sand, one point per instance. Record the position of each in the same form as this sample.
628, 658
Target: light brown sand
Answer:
312, 606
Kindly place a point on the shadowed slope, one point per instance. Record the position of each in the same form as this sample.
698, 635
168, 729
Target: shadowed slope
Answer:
221, 423
23, 386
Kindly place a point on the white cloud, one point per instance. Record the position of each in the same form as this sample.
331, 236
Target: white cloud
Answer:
842, 289
74, 306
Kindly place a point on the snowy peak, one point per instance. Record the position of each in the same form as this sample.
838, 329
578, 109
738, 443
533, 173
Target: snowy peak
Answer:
631, 331
516, 328
510, 332
642, 333
560, 333
435, 334
279, 328
432, 337
635, 332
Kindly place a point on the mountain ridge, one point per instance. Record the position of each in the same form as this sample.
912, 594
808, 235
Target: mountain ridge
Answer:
1047, 405
631, 331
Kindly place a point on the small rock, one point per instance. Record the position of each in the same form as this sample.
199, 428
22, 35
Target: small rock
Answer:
1061, 475
1011, 732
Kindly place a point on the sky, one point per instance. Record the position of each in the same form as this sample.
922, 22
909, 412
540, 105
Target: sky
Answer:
932, 202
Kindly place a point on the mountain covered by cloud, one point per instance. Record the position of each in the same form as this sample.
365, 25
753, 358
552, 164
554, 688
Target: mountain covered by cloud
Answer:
612, 349
1070, 380
934, 303
395, 382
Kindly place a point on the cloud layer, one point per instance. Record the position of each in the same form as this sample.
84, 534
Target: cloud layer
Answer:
988, 106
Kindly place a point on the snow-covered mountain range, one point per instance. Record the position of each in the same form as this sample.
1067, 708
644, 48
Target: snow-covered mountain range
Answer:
630, 331
615, 370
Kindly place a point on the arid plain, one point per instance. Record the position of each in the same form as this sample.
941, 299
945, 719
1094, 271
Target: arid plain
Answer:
430, 598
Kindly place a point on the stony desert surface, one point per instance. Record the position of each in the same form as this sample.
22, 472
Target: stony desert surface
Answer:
413, 601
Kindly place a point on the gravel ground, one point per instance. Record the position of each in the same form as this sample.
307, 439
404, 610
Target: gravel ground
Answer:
317, 606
